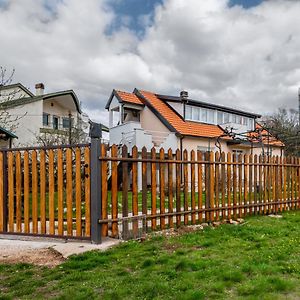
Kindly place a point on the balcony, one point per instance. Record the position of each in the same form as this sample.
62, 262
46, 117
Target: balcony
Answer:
131, 134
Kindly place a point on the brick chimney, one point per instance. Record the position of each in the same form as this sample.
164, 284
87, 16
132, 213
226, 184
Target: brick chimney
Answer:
39, 89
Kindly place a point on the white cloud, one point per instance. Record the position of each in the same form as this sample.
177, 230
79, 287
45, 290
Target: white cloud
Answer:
244, 58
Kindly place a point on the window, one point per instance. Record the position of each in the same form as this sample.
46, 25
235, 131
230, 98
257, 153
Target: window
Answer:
226, 118
188, 112
45, 119
220, 117
55, 122
233, 118
237, 153
245, 121
196, 114
66, 122
203, 115
211, 116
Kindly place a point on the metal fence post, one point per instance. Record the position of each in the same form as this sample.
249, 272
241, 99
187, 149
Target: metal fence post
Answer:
96, 201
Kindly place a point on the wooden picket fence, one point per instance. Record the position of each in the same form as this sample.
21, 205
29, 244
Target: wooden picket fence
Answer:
45, 191
158, 190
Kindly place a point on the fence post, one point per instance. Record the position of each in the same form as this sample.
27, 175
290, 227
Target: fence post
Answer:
4, 191
96, 180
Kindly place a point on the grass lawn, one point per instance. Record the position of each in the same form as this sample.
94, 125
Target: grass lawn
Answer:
258, 260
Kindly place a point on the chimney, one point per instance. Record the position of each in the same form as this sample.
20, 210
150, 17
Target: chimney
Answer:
184, 96
39, 89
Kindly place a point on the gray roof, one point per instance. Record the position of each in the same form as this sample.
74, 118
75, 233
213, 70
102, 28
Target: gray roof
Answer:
8, 133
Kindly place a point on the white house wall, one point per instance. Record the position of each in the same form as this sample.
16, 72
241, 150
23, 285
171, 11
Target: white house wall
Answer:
29, 125
13, 94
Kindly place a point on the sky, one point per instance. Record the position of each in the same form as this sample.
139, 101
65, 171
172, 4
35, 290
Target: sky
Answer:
239, 53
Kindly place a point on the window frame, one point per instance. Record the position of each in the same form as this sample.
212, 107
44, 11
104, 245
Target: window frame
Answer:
53, 122
46, 115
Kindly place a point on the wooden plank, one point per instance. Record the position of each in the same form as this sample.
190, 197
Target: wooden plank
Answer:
153, 189
178, 189
217, 190
246, 170
78, 184
298, 171
272, 186
60, 192
87, 191
135, 204
114, 191
34, 192
223, 184
51, 192
185, 186
43, 191
207, 186
193, 187
125, 184
200, 188
170, 188
234, 181
104, 190
144, 188
280, 190
265, 175
26, 192
11, 204
240, 184
18, 192
211, 186
292, 183
250, 183
2, 203
260, 183
229, 212
69, 191
256, 198
276, 183
162, 187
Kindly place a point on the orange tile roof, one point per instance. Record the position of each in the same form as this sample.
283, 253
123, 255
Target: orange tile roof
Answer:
180, 125
266, 137
129, 97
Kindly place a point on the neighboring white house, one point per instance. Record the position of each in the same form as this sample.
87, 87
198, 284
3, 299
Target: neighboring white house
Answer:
40, 115
147, 119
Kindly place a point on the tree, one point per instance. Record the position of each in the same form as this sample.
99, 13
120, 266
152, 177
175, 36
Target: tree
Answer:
8, 121
284, 125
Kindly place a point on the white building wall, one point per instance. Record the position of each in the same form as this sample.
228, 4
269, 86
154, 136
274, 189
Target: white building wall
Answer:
29, 123
12, 94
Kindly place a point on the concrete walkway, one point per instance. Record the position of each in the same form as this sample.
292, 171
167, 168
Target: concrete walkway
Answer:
43, 251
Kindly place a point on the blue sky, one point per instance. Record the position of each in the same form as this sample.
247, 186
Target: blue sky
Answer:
136, 8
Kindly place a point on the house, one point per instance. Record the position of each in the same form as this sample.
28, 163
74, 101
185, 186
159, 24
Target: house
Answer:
147, 119
6, 138
40, 117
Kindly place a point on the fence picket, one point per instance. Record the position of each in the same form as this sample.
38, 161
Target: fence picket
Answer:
255, 198
78, 191
185, 187
178, 190
2, 197
34, 192
114, 191
217, 203
26, 192
162, 187
240, 185
250, 183
200, 187
223, 183
229, 185
104, 187
193, 186
234, 179
87, 190
144, 188
170, 188
43, 191
246, 170
11, 205
69, 190
60, 192
51, 193
135, 204
18, 192
153, 188
125, 189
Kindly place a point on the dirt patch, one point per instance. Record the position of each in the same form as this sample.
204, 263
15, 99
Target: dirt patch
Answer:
41, 257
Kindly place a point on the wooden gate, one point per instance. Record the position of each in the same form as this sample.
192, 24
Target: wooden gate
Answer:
46, 191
